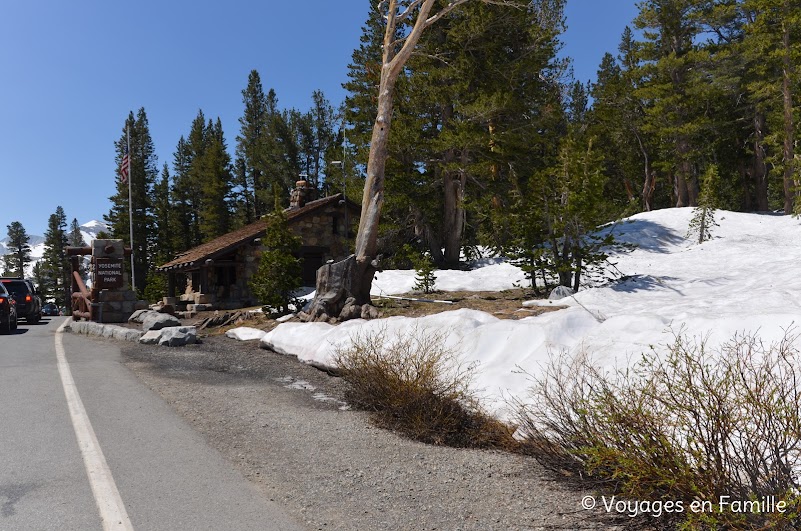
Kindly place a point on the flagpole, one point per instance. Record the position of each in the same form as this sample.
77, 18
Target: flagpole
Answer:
130, 204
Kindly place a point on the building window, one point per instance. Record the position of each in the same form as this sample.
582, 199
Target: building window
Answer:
335, 224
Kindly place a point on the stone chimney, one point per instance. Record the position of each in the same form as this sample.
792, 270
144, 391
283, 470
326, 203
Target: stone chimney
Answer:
299, 195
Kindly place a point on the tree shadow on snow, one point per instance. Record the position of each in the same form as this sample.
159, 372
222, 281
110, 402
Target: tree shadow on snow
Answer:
645, 235
635, 283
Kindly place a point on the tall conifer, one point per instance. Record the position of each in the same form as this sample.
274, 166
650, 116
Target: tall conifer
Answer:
19, 244
143, 173
54, 260
250, 142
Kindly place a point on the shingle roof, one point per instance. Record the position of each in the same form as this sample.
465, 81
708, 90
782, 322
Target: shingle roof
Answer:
227, 242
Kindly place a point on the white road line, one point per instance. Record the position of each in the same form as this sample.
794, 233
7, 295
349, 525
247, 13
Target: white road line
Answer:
107, 497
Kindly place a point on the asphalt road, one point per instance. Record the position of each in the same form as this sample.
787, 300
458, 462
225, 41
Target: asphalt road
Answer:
131, 453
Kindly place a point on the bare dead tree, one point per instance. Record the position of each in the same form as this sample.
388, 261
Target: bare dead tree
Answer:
396, 54
358, 277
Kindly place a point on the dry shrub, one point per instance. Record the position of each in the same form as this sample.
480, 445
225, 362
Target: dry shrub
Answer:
692, 424
415, 385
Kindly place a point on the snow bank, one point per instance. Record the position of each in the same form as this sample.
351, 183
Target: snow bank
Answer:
744, 280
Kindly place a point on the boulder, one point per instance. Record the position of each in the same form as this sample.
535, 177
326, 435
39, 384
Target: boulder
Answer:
157, 321
171, 336
126, 334
369, 312
351, 310
138, 316
178, 336
560, 292
150, 338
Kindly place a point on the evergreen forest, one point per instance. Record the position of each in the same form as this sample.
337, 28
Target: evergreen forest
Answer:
494, 145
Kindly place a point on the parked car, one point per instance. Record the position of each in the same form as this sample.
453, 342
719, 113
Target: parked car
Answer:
8, 311
29, 305
50, 309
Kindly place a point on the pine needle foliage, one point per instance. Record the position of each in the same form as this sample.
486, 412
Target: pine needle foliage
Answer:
704, 214
20, 250
279, 273
426, 278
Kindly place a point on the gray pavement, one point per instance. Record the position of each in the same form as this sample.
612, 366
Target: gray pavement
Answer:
166, 474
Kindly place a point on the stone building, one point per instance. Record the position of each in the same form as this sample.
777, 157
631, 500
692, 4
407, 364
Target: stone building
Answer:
217, 273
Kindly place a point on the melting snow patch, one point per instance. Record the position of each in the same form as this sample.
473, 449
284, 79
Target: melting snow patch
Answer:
302, 385
245, 333
292, 383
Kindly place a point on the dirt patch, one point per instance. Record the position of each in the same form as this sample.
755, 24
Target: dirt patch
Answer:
507, 304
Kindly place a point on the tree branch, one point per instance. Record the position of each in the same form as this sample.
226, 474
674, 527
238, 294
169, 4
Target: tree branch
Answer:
444, 11
411, 7
396, 63
389, 32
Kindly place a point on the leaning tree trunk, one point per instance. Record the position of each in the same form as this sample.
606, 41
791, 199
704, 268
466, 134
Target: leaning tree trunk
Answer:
347, 284
351, 289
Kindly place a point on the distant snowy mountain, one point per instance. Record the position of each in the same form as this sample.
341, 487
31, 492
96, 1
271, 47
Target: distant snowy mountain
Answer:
35, 241
89, 230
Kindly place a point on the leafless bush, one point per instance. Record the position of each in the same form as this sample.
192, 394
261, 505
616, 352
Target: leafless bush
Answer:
691, 424
415, 385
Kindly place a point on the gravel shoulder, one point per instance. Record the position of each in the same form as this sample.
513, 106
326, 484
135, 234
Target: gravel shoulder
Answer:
284, 426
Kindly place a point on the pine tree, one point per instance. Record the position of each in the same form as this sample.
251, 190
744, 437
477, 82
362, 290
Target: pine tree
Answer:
20, 256
143, 173
616, 120
55, 268
39, 278
561, 212
772, 47
364, 73
250, 163
164, 219
75, 239
75, 236
314, 136
425, 278
279, 273
193, 181
186, 200
704, 214
166, 228
471, 113
667, 60
215, 175
281, 154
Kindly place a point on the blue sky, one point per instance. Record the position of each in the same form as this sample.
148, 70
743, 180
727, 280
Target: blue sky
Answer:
72, 71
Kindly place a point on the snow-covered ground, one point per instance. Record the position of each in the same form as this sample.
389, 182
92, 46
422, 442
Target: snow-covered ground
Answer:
746, 279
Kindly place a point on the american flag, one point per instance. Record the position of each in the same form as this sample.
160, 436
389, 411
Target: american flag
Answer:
125, 165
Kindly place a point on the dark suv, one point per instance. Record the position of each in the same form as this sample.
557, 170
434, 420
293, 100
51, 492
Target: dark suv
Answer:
8, 312
29, 305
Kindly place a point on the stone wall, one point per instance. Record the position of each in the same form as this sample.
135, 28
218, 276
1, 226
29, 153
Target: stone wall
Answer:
317, 230
115, 306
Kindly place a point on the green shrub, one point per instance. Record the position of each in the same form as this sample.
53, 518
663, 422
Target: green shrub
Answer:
425, 278
279, 273
693, 424
415, 385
